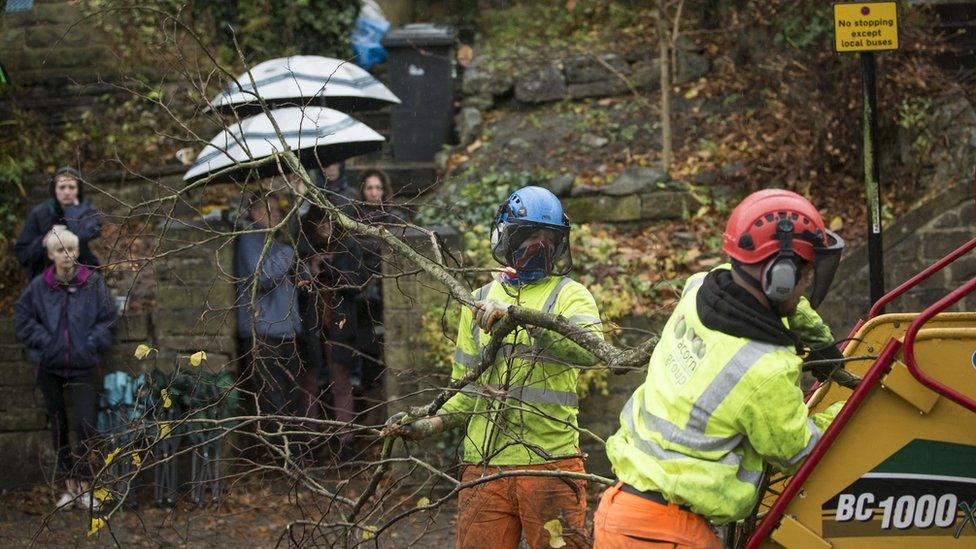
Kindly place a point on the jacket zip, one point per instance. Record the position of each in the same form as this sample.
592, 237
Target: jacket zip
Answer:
67, 337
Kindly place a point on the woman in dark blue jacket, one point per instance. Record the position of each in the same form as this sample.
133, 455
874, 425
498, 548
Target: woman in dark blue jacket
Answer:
65, 207
66, 319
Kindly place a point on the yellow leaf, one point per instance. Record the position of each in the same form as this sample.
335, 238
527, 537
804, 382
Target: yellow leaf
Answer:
423, 502
369, 532
111, 456
197, 357
164, 394
836, 223
142, 351
96, 525
555, 529
163, 429
103, 494
136, 460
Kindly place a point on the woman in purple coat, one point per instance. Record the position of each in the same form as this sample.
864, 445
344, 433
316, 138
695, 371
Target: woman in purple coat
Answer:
66, 319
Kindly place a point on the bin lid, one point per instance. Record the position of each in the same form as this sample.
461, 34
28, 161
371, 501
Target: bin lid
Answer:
420, 34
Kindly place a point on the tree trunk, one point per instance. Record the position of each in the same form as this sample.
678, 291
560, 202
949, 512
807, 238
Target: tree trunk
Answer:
663, 42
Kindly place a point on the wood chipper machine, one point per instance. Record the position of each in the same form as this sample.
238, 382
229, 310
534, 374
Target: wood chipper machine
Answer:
897, 467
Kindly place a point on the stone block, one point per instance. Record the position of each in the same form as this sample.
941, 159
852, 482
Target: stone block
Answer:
646, 73
12, 38
15, 402
63, 13
193, 321
691, 67
935, 245
56, 36
179, 294
59, 60
603, 208
132, 327
666, 204
963, 268
189, 268
192, 343
480, 78
586, 68
23, 419
26, 456
599, 88
17, 372
540, 85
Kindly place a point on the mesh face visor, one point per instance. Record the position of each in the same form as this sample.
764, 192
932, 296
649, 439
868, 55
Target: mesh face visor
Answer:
825, 261
512, 234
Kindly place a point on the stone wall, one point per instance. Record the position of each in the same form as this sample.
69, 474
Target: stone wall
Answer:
917, 239
187, 297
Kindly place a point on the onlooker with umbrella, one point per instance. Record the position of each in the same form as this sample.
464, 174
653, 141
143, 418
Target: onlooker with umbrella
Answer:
66, 319
66, 207
338, 275
271, 319
375, 193
334, 182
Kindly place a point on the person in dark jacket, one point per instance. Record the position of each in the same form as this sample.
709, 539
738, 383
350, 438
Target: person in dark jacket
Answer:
338, 275
67, 207
66, 319
269, 325
375, 193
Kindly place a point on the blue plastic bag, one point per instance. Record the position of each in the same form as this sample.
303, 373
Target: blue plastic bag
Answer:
365, 38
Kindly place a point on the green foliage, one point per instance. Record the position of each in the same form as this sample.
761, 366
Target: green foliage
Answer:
271, 29
469, 202
591, 24
25, 149
804, 25
913, 115
263, 29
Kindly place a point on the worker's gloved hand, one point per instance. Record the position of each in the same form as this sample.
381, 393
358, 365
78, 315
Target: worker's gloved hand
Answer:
412, 429
487, 312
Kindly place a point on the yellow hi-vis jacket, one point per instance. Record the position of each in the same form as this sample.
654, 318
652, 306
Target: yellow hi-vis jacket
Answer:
523, 408
712, 408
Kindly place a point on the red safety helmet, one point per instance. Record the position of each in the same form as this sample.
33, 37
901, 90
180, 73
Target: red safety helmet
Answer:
780, 228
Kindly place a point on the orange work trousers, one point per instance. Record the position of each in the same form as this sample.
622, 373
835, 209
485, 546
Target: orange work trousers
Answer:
626, 520
497, 513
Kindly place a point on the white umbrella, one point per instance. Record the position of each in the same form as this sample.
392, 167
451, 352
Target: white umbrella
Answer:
305, 80
319, 136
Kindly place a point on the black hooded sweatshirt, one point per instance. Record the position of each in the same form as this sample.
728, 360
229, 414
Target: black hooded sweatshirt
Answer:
727, 307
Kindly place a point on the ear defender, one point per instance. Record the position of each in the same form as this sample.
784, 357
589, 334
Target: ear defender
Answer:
779, 276
779, 279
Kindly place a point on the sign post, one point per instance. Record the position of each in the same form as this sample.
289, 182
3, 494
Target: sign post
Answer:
867, 27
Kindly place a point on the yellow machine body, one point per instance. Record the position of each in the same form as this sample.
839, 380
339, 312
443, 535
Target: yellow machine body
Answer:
902, 472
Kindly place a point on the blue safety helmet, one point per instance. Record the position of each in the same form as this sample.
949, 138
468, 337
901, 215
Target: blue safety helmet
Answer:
526, 211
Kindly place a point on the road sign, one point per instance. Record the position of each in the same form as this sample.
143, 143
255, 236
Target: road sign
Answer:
866, 26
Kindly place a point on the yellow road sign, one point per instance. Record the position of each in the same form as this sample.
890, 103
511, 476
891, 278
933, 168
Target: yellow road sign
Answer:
866, 26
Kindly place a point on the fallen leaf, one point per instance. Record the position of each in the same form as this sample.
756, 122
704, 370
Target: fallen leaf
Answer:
142, 351
555, 529
197, 358
836, 223
473, 146
342, 323
96, 525
164, 430
423, 502
369, 532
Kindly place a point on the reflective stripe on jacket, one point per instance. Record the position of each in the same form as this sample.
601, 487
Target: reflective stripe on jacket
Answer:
523, 408
713, 406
